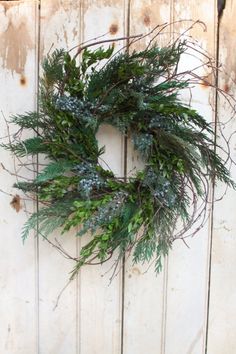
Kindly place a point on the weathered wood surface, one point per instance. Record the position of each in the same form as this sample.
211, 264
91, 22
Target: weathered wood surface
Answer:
222, 304
101, 302
18, 264
59, 28
138, 313
143, 324
187, 274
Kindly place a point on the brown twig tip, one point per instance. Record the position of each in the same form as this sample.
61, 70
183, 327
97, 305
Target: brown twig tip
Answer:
138, 94
82, 47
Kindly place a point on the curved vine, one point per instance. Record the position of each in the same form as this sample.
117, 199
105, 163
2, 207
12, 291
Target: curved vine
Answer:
138, 94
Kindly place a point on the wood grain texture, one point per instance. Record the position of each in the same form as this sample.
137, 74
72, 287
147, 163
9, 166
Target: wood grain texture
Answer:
59, 28
222, 309
141, 313
18, 278
144, 298
187, 288
100, 300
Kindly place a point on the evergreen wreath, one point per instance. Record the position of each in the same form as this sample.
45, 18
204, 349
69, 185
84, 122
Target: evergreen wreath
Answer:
137, 93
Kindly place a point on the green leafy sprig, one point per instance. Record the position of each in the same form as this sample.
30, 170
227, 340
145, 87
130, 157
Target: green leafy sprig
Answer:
138, 94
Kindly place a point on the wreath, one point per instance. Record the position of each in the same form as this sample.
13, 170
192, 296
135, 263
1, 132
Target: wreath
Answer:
137, 93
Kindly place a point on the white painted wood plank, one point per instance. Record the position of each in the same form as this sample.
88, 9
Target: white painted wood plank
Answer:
59, 28
100, 300
187, 285
97, 305
144, 291
222, 310
100, 303
18, 278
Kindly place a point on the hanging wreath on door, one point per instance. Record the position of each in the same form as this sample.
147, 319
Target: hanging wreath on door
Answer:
138, 94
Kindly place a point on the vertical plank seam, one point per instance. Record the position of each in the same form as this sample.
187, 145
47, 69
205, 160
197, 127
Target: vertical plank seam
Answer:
164, 306
37, 280
78, 241
216, 102
166, 264
125, 167
78, 306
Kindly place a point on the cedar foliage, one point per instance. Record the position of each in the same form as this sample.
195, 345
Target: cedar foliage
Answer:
137, 93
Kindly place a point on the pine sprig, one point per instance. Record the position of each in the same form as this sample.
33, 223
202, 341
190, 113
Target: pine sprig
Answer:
138, 94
